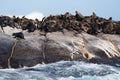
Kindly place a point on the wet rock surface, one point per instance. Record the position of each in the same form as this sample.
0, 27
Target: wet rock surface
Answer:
26, 42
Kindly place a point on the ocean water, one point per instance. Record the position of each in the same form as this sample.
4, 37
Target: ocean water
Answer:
63, 70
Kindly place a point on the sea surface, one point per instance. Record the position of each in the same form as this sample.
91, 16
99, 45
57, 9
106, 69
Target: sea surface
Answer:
63, 70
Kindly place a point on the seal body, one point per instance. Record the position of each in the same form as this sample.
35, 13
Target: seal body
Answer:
18, 35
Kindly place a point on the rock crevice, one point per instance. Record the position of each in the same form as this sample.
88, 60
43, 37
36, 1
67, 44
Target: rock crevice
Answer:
11, 54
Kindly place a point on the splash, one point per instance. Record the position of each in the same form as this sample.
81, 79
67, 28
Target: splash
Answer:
63, 70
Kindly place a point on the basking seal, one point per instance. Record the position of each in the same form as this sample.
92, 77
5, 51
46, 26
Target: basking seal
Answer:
18, 35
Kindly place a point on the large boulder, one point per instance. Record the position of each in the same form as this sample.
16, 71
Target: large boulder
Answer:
56, 46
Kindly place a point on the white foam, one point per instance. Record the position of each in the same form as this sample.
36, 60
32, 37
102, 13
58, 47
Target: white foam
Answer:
35, 15
32, 15
63, 70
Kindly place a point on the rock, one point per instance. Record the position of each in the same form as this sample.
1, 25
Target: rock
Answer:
6, 44
1, 31
62, 46
57, 46
28, 52
104, 46
9, 30
61, 37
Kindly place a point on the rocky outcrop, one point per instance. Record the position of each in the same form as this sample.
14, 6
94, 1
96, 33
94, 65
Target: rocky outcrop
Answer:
61, 37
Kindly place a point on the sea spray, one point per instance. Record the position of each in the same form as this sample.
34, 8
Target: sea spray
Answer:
63, 70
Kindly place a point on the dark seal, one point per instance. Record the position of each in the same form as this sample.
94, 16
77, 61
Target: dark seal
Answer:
18, 35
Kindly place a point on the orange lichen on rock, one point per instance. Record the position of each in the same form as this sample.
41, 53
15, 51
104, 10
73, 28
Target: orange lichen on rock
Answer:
87, 56
85, 53
108, 55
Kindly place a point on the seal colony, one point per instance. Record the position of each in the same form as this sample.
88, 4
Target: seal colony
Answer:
26, 42
89, 24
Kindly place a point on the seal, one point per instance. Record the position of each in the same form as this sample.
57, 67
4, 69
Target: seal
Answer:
31, 27
18, 35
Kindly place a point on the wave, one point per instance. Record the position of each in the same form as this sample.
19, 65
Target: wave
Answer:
63, 70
